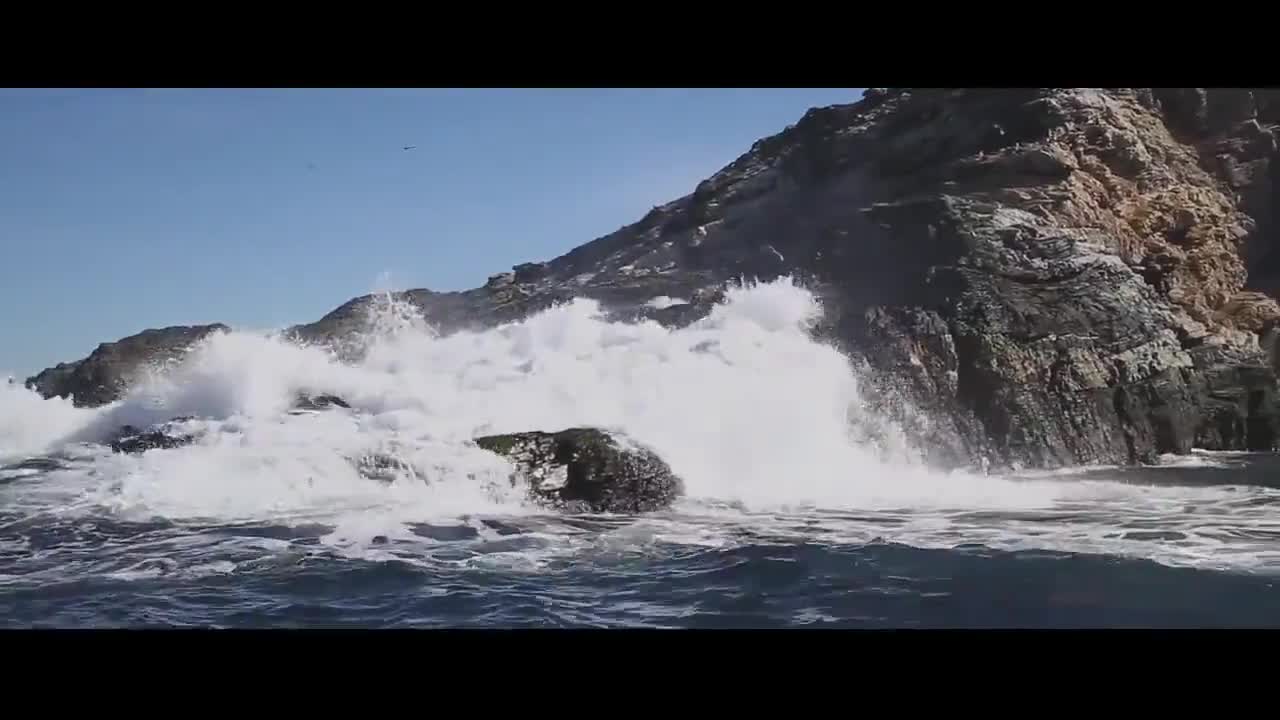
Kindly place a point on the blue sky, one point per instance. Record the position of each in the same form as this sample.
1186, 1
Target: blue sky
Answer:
122, 209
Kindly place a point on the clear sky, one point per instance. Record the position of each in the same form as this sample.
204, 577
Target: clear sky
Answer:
122, 209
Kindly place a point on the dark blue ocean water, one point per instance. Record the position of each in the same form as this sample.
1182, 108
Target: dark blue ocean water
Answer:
1218, 569
765, 586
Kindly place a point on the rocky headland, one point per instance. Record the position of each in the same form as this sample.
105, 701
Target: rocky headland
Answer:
1030, 277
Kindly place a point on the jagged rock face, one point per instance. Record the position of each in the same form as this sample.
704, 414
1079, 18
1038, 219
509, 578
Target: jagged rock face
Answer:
107, 372
587, 470
1089, 275
1032, 276
1039, 277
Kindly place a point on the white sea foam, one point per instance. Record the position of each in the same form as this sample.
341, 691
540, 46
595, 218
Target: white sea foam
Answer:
749, 410
663, 302
30, 425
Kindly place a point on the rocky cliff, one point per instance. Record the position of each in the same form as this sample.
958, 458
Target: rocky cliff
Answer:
1030, 276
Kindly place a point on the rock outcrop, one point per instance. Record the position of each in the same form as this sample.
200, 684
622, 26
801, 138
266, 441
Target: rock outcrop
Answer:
108, 371
171, 434
578, 470
587, 470
1036, 277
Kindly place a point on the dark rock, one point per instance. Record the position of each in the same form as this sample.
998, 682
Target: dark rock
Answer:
587, 470
1240, 407
105, 375
1186, 109
318, 402
165, 436
500, 280
1268, 102
917, 384
529, 272
1229, 107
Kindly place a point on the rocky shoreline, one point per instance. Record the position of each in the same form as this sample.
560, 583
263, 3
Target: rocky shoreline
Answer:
575, 470
1033, 277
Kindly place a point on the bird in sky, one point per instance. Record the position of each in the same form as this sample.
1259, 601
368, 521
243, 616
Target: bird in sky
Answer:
409, 147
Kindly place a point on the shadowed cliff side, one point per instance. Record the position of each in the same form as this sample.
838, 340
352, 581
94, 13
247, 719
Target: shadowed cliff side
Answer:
1031, 276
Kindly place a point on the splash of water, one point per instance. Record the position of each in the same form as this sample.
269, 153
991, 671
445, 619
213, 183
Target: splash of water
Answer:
30, 425
743, 404
747, 408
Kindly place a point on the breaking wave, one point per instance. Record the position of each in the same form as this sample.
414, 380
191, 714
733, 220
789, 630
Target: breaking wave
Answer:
747, 408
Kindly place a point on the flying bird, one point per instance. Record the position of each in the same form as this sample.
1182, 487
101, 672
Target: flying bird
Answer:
409, 147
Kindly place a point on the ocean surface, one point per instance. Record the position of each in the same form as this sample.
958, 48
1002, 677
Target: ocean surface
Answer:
800, 508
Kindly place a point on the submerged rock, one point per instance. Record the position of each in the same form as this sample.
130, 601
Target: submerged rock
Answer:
588, 470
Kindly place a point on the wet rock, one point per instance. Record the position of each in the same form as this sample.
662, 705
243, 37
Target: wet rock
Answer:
588, 470
133, 440
318, 402
383, 467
